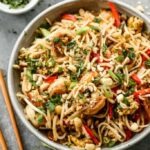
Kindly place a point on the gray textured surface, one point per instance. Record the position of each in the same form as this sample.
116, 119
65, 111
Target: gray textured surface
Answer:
10, 28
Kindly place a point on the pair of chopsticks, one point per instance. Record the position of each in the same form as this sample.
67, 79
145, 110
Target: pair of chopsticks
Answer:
11, 114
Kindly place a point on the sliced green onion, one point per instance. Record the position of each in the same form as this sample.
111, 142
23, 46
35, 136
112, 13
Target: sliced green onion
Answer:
45, 32
96, 28
72, 85
112, 75
82, 30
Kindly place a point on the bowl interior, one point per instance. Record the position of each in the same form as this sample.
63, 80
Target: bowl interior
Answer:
26, 39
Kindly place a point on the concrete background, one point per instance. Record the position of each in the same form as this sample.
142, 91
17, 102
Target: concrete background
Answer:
10, 28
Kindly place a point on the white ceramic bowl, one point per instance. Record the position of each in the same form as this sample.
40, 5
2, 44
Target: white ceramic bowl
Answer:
6, 8
27, 36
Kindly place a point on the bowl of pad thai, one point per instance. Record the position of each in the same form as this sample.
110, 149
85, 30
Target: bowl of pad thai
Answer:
79, 75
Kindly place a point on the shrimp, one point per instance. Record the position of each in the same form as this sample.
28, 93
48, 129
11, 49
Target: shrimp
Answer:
59, 86
88, 77
98, 105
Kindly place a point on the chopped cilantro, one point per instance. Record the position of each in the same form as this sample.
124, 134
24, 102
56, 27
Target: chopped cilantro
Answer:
71, 44
111, 143
40, 119
104, 48
125, 101
54, 100
131, 53
57, 40
124, 52
97, 20
147, 63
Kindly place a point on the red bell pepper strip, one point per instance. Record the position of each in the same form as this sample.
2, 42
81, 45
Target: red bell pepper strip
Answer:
51, 79
128, 134
136, 79
69, 17
148, 52
90, 133
142, 92
110, 111
115, 14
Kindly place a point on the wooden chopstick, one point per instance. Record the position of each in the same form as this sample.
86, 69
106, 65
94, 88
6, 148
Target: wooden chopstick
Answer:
2, 141
10, 109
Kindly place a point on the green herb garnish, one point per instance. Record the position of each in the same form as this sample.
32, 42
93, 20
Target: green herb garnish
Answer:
97, 20
131, 53
96, 28
104, 48
111, 143
71, 44
40, 119
54, 100
44, 32
15, 3
57, 40
82, 30
147, 63
125, 101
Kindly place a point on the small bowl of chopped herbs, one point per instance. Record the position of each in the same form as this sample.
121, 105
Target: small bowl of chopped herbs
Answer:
17, 6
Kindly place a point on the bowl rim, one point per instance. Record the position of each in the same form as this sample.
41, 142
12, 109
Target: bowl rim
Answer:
5, 8
14, 100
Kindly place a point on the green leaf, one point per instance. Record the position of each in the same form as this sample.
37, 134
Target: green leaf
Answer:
125, 100
71, 44
132, 83
51, 106
57, 40
73, 78
40, 119
129, 92
147, 63
131, 54
104, 48
111, 143
124, 52
97, 20
81, 96
56, 99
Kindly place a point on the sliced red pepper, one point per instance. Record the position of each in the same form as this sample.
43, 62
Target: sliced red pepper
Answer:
115, 14
128, 134
136, 79
90, 133
115, 89
51, 79
69, 17
148, 52
110, 111
142, 92
93, 55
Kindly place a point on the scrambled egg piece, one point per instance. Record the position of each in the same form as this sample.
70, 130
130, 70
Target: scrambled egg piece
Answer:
135, 23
